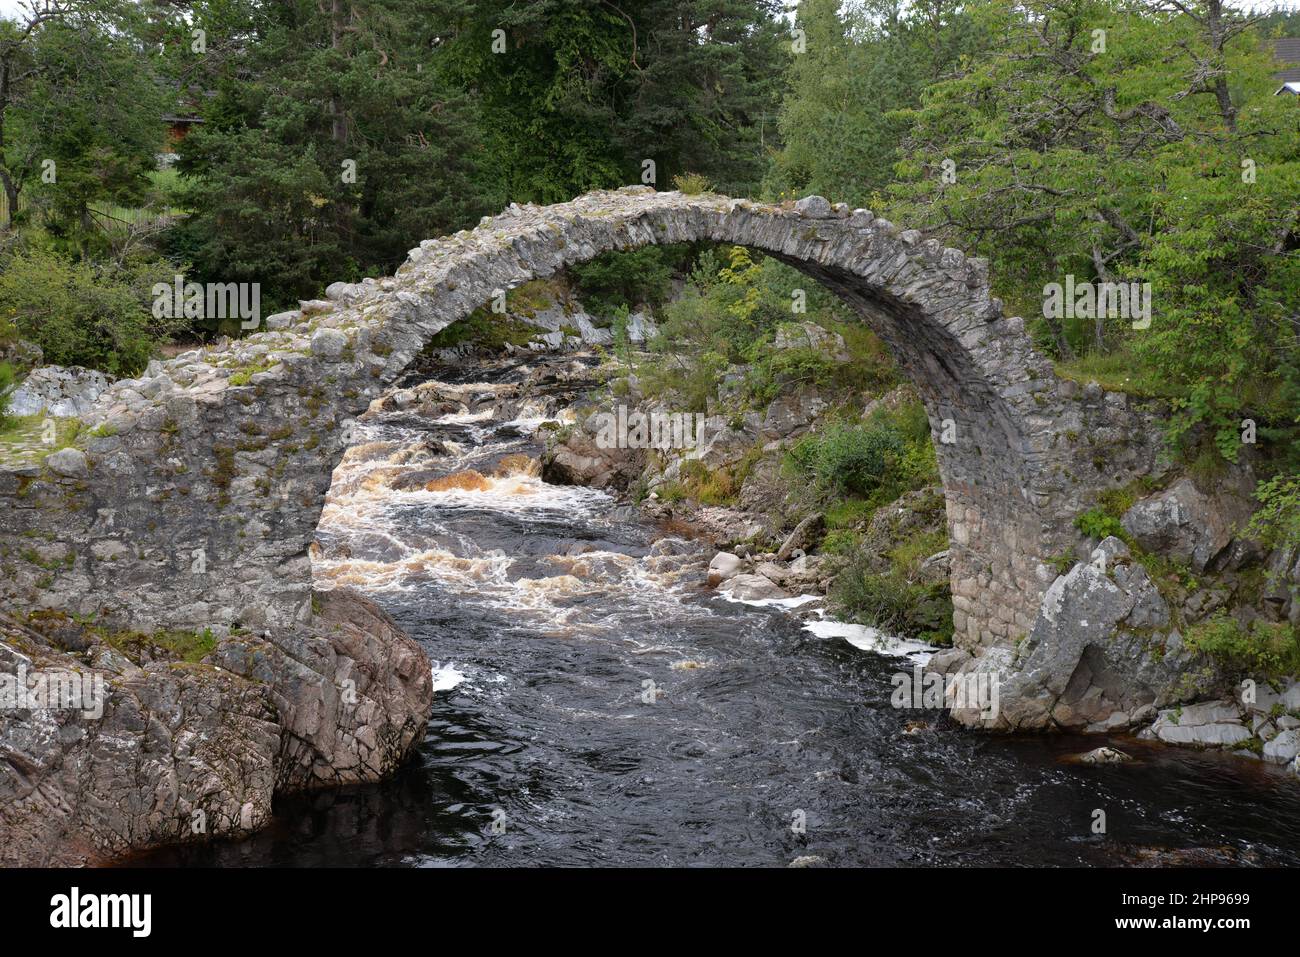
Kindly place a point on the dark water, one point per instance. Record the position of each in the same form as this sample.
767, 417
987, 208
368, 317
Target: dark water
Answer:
557, 611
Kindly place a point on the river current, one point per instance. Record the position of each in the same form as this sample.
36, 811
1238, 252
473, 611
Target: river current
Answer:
597, 704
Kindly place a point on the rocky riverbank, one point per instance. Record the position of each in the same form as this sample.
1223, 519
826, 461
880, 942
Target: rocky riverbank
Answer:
176, 737
1127, 638
197, 732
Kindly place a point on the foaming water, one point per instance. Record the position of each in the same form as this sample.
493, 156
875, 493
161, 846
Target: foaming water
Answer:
596, 704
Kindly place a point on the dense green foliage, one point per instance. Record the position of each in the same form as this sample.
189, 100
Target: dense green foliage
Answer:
636, 277
331, 146
85, 313
893, 603
1153, 151
577, 95
839, 130
1266, 649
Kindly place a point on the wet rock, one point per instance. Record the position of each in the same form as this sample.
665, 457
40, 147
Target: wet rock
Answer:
1284, 748
724, 566
1188, 856
189, 751
1103, 755
753, 588
1209, 724
809, 573
1091, 653
575, 458
948, 661
352, 690
177, 754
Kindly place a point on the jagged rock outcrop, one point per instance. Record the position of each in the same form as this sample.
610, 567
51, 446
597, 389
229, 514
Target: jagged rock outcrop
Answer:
178, 752
352, 691
1102, 653
1188, 525
575, 457
159, 749
792, 413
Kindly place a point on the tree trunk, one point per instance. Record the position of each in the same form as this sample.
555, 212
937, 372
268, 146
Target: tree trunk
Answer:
340, 127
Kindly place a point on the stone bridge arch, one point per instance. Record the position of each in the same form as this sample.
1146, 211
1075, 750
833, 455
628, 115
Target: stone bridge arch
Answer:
193, 493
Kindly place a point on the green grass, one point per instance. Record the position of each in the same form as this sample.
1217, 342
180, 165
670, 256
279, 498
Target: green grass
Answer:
847, 513
22, 438
1117, 372
910, 553
187, 646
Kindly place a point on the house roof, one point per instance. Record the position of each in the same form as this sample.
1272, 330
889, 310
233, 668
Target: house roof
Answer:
1292, 87
1287, 50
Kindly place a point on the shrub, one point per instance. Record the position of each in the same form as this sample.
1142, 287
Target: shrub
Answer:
1277, 523
692, 379
1095, 523
848, 459
777, 370
1262, 650
94, 315
892, 603
692, 184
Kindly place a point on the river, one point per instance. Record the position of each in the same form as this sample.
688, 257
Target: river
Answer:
597, 704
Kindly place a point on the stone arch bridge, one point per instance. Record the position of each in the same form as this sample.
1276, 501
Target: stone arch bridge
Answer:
192, 494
